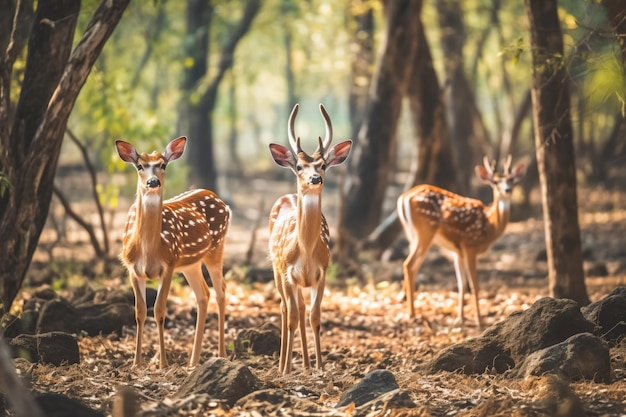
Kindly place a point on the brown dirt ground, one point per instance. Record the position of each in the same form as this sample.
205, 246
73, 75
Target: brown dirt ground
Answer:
364, 324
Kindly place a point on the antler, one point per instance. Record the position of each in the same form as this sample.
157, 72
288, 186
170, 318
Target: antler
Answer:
295, 143
507, 165
490, 167
328, 137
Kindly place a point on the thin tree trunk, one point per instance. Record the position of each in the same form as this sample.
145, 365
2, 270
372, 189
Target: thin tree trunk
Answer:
153, 34
362, 66
555, 153
233, 136
287, 11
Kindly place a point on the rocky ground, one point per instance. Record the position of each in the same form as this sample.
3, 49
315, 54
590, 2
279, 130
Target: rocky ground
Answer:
365, 329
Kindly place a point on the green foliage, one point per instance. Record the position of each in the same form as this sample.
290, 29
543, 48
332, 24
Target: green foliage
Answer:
331, 272
67, 274
606, 82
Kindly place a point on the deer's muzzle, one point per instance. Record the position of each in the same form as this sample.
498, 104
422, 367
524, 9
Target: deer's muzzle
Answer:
153, 183
315, 179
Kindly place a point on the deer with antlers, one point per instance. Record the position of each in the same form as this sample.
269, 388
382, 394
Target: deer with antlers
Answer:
299, 237
462, 226
179, 234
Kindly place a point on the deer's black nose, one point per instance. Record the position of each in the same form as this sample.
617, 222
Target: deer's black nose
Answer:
316, 179
153, 183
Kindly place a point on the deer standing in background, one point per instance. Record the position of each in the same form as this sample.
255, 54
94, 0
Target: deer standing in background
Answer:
179, 234
463, 226
299, 238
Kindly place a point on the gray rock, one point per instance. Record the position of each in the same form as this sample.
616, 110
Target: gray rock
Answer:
262, 341
373, 385
59, 405
395, 399
609, 315
581, 357
92, 318
220, 378
55, 348
596, 269
104, 318
270, 402
547, 322
58, 315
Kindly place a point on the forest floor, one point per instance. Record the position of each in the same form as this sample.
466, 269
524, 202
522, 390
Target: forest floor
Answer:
364, 324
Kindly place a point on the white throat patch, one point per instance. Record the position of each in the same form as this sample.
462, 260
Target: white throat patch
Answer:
310, 202
504, 205
152, 201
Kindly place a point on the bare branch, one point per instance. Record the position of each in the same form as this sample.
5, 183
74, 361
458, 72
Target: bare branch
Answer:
94, 189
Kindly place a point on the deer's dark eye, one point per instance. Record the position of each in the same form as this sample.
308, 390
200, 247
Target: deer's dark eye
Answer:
324, 167
139, 167
298, 167
163, 166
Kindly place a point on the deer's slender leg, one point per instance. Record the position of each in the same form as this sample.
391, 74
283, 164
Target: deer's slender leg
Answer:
315, 318
219, 286
139, 289
412, 265
470, 267
198, 285
293, 315
160, 309
302, 325
461, 278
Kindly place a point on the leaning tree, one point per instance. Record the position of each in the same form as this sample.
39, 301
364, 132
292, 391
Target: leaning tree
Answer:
32, 124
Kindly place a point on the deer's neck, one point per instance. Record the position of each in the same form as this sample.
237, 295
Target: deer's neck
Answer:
148, 222
499, 214
309, 220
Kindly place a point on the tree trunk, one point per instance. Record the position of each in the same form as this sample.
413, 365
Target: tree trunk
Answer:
193, 112
233, 135
31, 150
433, 163
362, 65
196, 115
374, 158
288, 9
458, 95
555, 153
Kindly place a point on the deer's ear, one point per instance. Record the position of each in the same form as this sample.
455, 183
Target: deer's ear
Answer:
338, 153
126, 151
175, 149
283, 156
482, 173
518, 171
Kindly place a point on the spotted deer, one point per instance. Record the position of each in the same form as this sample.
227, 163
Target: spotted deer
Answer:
462, 226
179, 234
299, 237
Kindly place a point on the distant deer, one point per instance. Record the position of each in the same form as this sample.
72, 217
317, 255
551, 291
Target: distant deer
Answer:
299, 238
179, 234
463, 226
